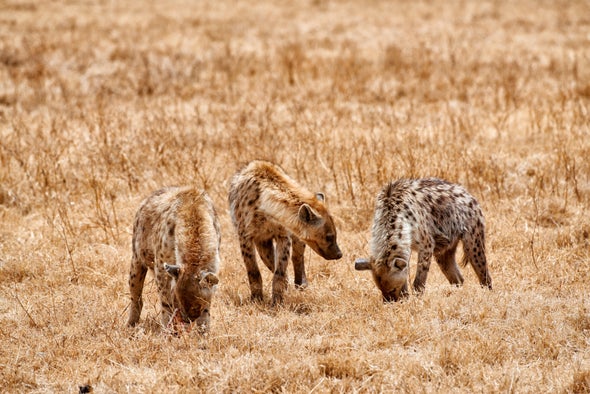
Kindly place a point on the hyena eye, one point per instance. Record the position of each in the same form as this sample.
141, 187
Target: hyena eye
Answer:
329, 238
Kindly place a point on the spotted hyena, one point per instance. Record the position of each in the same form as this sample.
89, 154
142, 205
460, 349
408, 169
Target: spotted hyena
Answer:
273, 213
176, 235
430, 216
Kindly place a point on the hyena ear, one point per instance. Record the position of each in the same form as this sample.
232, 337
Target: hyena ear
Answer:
208, 279
172, 270
308, 215
362, 264
320, 196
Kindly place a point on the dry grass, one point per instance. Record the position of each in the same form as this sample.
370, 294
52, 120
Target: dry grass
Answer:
102, 102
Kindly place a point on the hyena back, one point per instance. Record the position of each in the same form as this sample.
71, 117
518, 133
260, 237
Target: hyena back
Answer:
176, 235
430, 216
273, 214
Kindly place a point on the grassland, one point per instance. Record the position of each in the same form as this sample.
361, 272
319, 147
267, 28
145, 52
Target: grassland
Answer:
102, 102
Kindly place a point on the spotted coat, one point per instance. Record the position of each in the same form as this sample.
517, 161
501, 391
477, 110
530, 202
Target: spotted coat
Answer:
429, 216
176, 235
273, 214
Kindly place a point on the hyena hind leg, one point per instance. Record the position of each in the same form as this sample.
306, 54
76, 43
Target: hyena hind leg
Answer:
474, 253
448, 265
254, 277
266, 251
137, 274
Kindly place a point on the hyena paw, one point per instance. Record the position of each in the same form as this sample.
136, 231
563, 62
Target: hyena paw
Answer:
256, 297
301, 285
277, 299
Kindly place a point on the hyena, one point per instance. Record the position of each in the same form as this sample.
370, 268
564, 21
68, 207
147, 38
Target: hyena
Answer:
176, 235
267, 206
430, 216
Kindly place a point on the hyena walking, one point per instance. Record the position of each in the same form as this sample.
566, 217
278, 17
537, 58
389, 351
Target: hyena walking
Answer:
267, 206
176, 235
430, 216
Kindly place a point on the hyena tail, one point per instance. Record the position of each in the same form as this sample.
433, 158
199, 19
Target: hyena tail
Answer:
474, 253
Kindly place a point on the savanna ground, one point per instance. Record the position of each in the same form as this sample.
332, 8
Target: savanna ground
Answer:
102, 102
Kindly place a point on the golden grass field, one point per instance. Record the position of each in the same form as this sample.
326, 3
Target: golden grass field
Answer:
102, 102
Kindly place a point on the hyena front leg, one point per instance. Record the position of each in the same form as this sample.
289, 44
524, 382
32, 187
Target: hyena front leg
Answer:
163, 282
137, 274
279, 280
298, 262
424, 257
448, 265
254, 278
266, 251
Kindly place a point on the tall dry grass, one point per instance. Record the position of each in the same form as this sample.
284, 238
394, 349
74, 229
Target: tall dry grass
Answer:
103, 102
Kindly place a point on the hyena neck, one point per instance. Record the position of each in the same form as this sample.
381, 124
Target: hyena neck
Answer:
207, 262
198, 252
283, 208
392, 243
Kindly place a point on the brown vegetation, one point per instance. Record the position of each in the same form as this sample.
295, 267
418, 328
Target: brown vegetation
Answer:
103, 102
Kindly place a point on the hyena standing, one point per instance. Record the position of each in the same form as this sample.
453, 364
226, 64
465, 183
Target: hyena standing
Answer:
176, 235
268, 206
430, 216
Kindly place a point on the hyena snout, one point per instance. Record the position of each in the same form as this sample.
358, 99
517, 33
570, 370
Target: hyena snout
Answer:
330, 252
183, 323
392, 296
328, 248
202, 322
391, 277
192, 293
334, 253
393, 291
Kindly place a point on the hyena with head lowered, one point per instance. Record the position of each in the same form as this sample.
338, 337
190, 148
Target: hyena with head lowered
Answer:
430, 216
272, 214
176, 235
